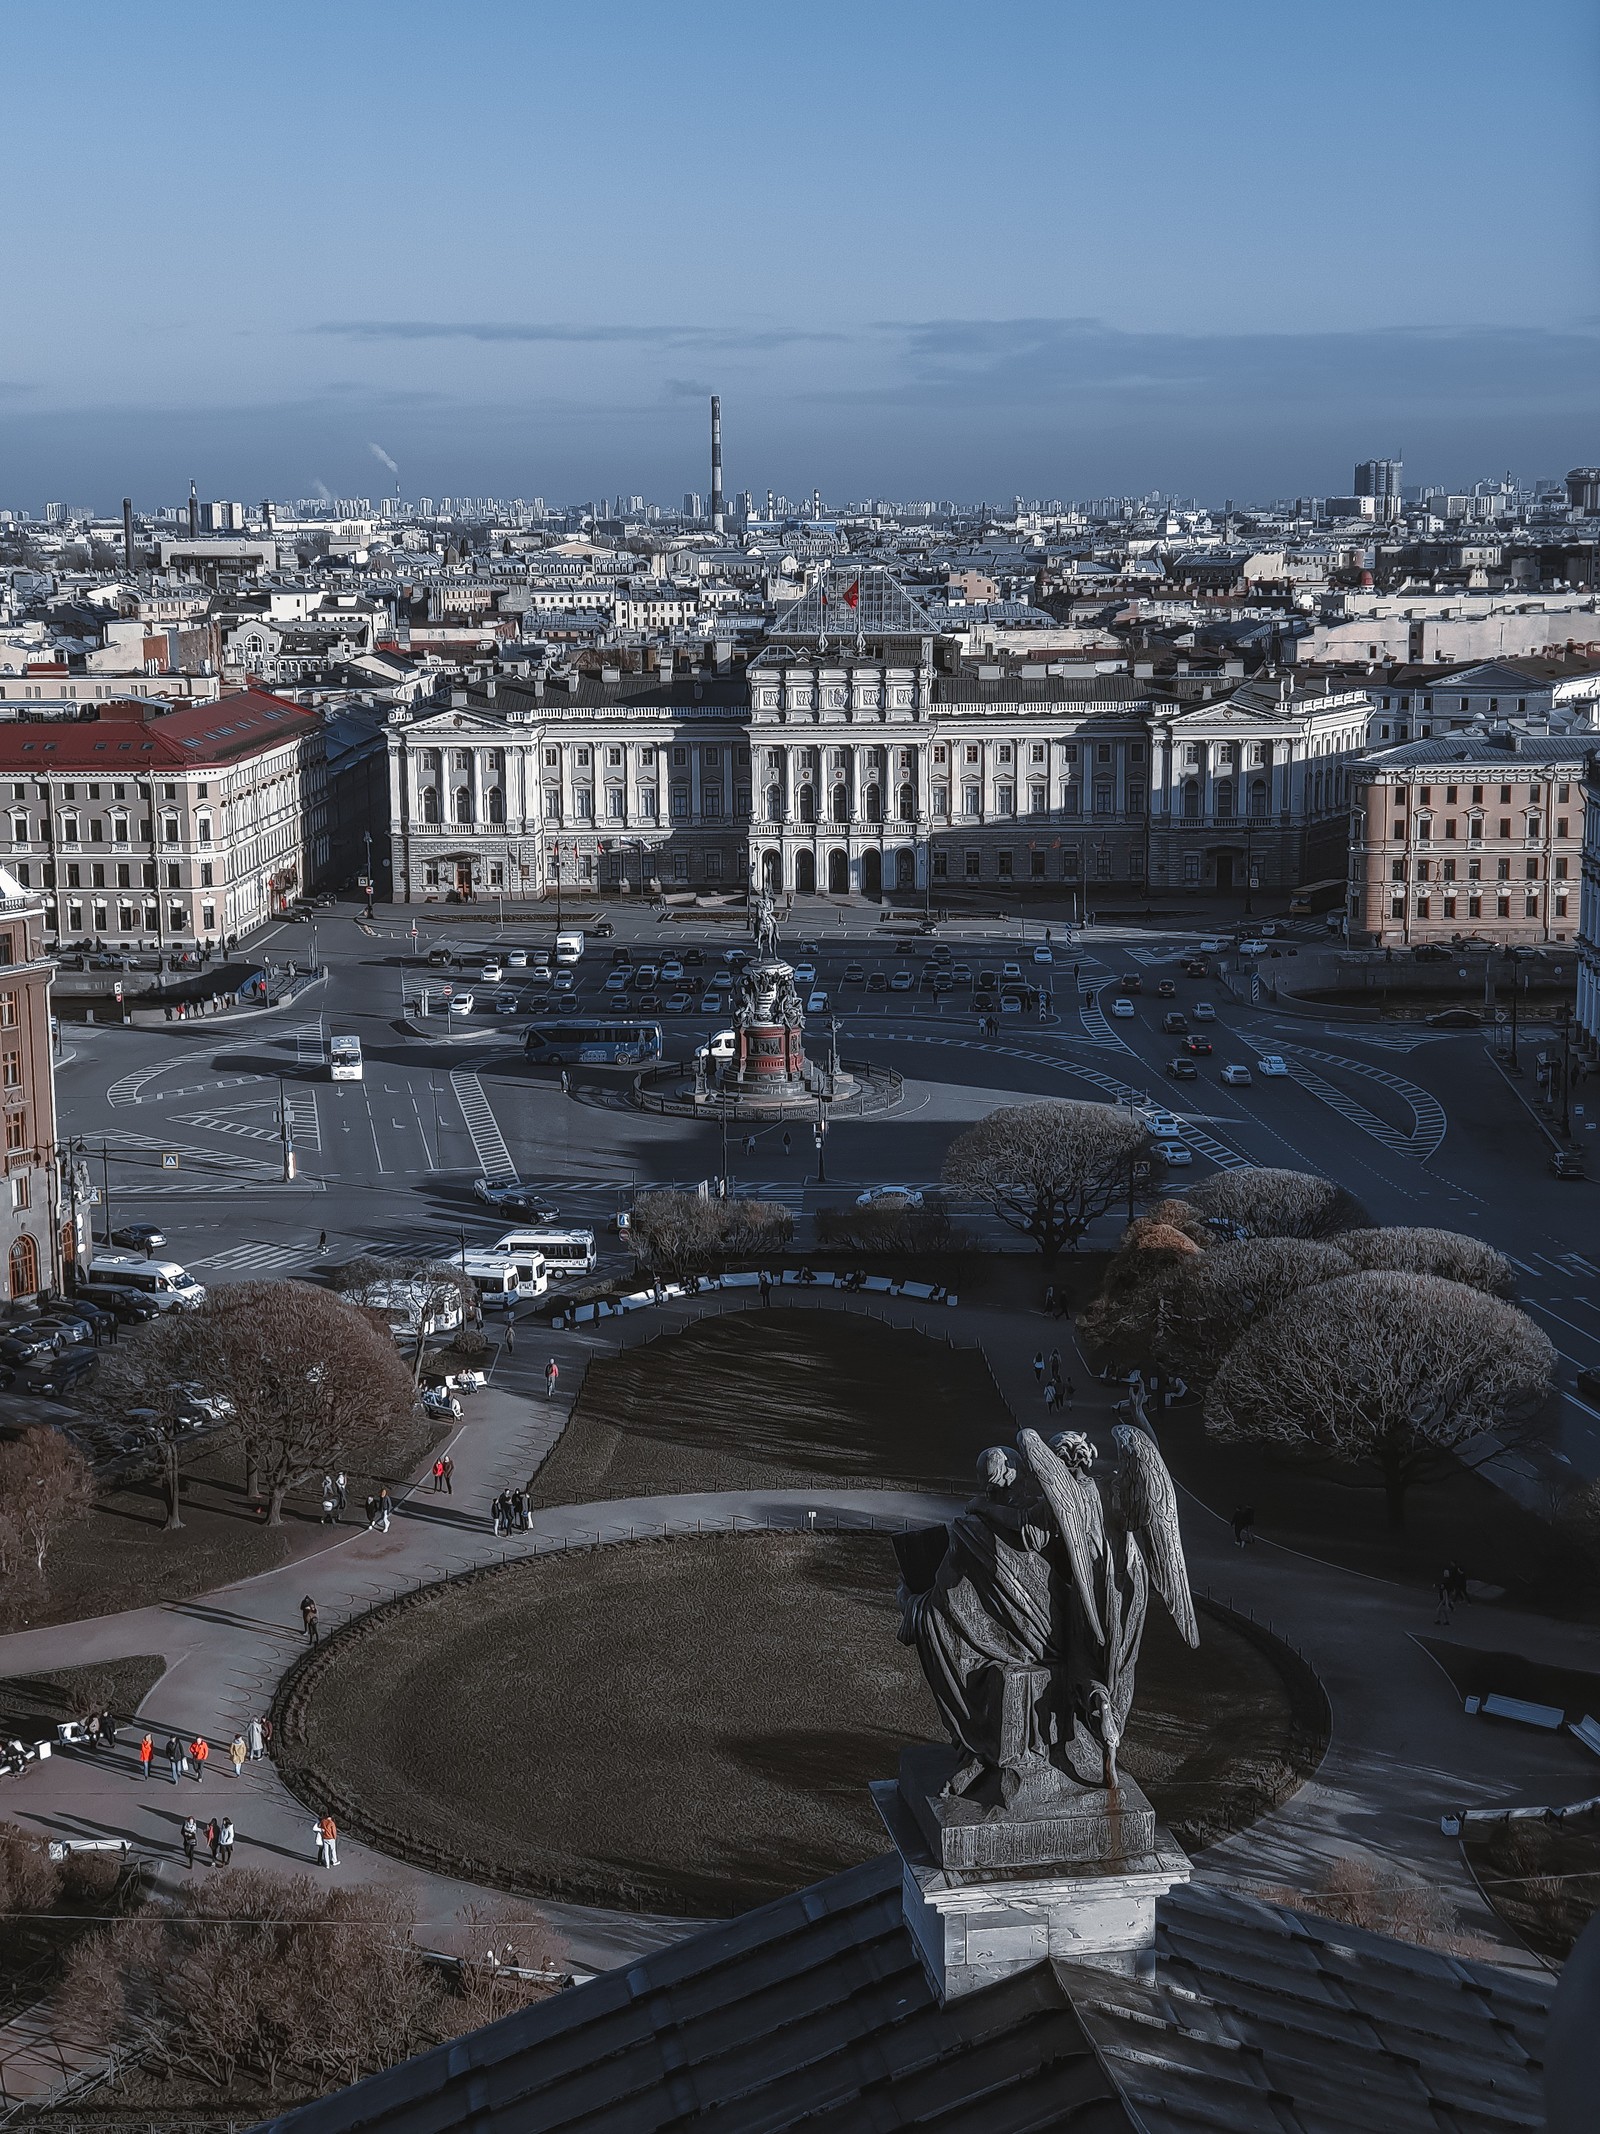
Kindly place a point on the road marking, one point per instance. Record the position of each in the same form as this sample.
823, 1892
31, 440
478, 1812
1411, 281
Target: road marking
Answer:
252, 1256
1428, 1113
488, 1143
126, 1089
305, 1125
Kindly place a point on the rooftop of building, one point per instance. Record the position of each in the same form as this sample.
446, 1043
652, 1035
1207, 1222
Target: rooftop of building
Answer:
140, 733
1492, 746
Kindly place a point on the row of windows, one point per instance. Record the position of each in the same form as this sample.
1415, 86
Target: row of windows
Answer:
1532, 827
137, 919
1447, 870
98, 875
1449, 907
1452, 795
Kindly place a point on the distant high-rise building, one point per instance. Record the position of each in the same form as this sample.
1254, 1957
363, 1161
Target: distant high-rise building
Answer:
1378, 477
691, 503
1583, 490
425, 507
55, 514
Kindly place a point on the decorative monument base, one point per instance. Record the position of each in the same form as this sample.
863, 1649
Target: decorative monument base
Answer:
1075, 1879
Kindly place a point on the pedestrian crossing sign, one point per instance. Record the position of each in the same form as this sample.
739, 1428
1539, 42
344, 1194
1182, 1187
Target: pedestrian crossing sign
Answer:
169, 1159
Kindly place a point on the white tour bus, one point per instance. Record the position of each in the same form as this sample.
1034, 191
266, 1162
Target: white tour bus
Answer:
168, 1286
563, 1251
569, 948
344, 1058
503, 1278
415, 1307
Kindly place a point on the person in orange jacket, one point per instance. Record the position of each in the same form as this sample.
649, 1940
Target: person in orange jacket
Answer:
147, 1749
199, 1750
330, 1841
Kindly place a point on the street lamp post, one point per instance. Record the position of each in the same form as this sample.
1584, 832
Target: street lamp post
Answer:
366, 839
821, 1132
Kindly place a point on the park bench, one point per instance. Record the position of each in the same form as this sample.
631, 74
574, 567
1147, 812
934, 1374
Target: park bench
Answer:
1519, 1709
1587, 1731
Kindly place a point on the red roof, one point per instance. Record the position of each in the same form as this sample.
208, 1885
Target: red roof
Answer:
135, 734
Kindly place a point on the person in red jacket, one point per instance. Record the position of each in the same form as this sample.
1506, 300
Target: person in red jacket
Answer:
199, 1750
147, 1749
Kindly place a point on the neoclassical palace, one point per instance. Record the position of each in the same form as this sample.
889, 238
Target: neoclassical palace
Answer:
864, 765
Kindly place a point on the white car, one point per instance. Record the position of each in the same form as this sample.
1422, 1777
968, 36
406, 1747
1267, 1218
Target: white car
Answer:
1122, 1005
1011, 970
1237, 1076
517, 960
672, 972
1174, 1152
1044, 954
1252, 947
1271, 1063
619, 980
461, 1004
1163, 1126
1204, 1011
1212, 945
817, 1003
889, 1197
805, 974
493, 971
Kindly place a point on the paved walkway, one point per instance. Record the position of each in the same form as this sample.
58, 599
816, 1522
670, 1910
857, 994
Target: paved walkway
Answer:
1402, 1749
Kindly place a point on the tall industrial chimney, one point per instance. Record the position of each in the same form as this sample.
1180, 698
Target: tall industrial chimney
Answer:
194, 512
127, 533
716, 463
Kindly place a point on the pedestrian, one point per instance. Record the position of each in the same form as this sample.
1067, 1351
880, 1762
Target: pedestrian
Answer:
1050, 1396
1244, 1519
238, 1752
566, 1083
1038, 1367
1441, 1614
511, 1338
330, 1842
329, 1501
552, 1374
1458, 1585
174, 1756
449, 1476
91, 1733
266, 1733
497, 1515
1055, 1366
766, 1289
256, 1742
199, 1750
341, 1491
321, 1841
225, 1841
147, 1750
438, 1476
191, 1837
1065, 1392
108, 1730
308, 1616
372, 1513
787, 1143
213, 1838
322, 1241
1050, 1301
385, 1507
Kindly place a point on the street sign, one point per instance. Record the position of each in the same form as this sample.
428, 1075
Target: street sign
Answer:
94, 1196
117, 989
169, 1159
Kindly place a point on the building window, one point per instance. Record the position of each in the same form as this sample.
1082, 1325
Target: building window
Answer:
1530, 907
614, 807
11, 1068
970, 798
24, 1266
1003, 865
1006, 799
208, 917
941, 866
680, 803
584, 803
1037, 799
16, 1129
552, 804
1191, 869
974, 865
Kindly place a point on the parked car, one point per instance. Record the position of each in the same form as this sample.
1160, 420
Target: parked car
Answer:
679, 1001
461, 1004
672, 972
621, 957
902, 981
493, 970
1588, 1384
1011, 970
1237, 1076
1122, 1007
1174, 1152
1567, 1163
693, 958
618, 981
713, 1003
816, 1003
58, 1374
28, 1342
1271, 1063
140, 1237
961, 973
517, 960
878, 983
131, 1306
1183, 1070
854, 973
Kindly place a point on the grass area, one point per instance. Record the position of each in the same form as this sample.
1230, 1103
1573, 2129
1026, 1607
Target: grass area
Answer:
776, 1399
1336, 1514
690, 1726
1542, 1878
1508, 1674
30, 1705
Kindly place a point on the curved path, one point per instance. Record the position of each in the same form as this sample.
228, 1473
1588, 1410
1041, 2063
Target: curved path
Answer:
1402, 1748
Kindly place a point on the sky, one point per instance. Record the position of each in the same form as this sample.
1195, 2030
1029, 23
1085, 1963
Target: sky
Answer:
921, 249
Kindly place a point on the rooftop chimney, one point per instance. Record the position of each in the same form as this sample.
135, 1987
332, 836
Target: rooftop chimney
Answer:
127, 533
716, 463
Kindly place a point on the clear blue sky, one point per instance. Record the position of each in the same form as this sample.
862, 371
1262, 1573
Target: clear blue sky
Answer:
920, 249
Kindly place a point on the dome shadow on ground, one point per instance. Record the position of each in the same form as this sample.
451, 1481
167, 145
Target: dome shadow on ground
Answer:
691, 1726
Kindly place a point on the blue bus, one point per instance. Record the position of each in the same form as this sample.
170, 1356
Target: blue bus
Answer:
623, 1044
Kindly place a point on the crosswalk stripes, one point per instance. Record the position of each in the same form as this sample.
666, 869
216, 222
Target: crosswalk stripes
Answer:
212, 1122
253, 1255
1095, 1027
309, 1050
488, 1143
1358, 1115
305, 1125
126, 1089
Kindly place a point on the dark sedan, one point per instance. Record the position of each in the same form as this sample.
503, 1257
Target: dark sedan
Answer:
1183, 1070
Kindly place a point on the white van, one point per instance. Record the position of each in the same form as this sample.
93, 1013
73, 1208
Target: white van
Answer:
562, 1251
569, 948
502, 1278
720, 1048
411, 1308
169, 1287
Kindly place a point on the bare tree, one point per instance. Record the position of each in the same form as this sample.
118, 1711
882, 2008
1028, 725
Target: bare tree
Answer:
1266, 1203
412, 1295
44, 1485
314, 1383
1404, 1371
1215, 1297
1449, 1253
1047, 1169
679, 1233
1126, 1320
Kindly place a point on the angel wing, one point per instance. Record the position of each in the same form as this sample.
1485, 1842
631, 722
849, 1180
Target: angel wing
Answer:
1151, 1509
1075, 1505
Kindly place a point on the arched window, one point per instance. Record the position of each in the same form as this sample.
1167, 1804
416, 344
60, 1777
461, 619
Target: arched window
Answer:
1191, 799
841, 804
463, 804
1224, 799
808, 805
908, 803
24, 1268
874, 807
1258, 796
497, 805
774, 805
430, 803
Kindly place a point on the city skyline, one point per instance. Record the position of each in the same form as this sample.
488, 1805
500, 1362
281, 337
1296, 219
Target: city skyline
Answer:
1228, 258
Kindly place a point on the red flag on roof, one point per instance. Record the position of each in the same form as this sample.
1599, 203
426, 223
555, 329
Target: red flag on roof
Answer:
851, 596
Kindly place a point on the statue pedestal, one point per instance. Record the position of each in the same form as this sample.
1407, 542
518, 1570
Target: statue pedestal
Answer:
1074, 1878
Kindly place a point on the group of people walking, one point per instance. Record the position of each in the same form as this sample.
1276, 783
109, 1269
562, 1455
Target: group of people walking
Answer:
1052, 1381
219, 1836
190, 1758
512, 1511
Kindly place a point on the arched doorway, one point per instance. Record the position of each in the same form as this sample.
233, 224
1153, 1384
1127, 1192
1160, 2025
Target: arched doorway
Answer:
1224, 870
805, 873
905, 868
838, 873
772, 871
24, 1268
872, 872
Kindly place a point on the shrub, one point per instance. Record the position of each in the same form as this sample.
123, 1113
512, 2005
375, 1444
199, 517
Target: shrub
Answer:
1447, 1253
1267, 1203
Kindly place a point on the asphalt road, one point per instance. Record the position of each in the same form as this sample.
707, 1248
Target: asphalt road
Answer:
1419, 1124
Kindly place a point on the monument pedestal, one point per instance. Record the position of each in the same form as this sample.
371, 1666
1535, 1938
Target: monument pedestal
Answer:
1071, 1873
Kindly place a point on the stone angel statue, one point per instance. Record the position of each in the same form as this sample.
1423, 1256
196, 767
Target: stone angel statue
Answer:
766, 926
